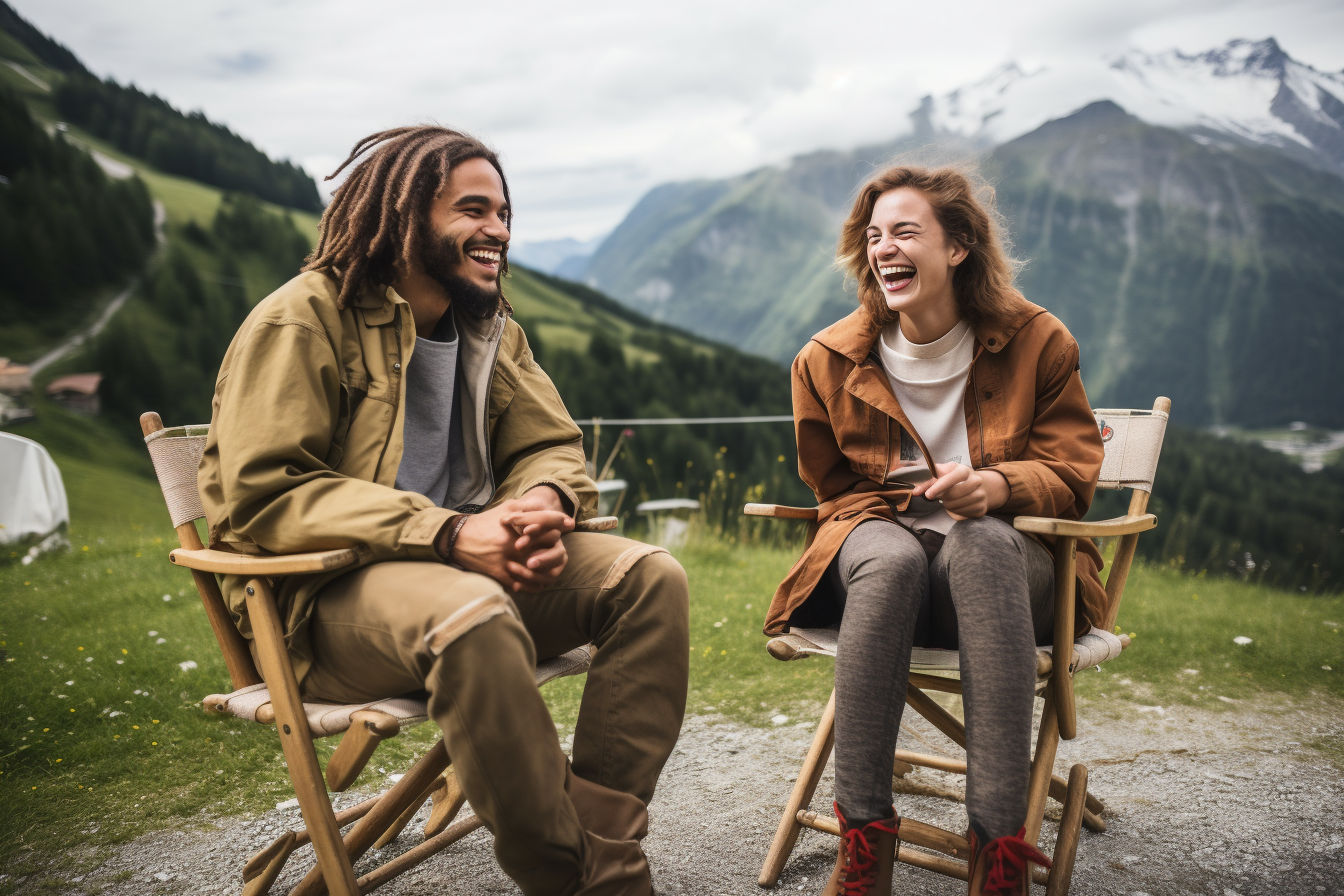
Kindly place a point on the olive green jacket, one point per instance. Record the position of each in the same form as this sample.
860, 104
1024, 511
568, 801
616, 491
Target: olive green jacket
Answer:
306, 437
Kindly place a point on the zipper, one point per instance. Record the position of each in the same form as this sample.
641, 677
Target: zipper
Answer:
496, 338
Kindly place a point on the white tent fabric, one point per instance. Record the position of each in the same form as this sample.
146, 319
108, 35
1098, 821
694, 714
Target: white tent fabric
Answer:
33, 506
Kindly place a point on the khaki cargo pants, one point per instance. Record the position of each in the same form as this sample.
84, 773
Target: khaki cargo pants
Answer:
396, 627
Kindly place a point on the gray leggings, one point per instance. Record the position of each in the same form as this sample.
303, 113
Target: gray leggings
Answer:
989, 592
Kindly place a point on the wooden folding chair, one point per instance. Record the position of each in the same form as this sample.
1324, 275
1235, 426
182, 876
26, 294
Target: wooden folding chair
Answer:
271, 697
1133, 441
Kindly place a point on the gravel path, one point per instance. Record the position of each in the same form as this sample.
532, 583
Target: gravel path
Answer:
1230, 803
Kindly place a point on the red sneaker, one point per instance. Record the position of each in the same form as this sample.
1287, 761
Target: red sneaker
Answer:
1003, 866
865, 858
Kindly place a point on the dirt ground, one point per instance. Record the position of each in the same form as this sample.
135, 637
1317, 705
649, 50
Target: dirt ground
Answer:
1236, 802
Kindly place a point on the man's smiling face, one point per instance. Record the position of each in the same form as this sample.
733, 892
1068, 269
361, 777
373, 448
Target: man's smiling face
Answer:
468, 234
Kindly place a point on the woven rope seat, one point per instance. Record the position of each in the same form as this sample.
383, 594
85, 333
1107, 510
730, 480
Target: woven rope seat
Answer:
253, 704
1092, 649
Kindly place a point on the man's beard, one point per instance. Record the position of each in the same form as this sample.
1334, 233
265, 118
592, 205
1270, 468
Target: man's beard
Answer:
439, 258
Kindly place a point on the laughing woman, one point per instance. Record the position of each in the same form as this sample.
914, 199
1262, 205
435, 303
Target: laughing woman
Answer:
942, 407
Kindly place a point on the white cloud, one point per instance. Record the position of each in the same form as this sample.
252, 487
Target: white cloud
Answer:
593, 103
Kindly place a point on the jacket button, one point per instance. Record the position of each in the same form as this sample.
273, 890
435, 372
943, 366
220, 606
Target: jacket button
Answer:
989, 394
993, 342
396, 366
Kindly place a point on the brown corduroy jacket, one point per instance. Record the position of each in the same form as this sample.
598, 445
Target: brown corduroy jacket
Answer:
1027, 417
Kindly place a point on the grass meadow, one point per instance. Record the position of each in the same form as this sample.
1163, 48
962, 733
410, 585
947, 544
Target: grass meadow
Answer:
107, 654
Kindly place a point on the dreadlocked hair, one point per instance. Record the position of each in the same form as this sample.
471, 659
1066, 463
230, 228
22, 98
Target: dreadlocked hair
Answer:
376, 218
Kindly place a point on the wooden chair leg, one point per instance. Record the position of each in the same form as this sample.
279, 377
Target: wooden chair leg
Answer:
940, 718
1061, 679
1042, 768
405, 817
786, 837
448, 801
262, 871
297, 743
1092, 808
383, 815
367, 730
1066, 844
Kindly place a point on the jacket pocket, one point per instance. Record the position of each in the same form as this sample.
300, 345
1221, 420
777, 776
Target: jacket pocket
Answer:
1014, 446
350, 397
502, 390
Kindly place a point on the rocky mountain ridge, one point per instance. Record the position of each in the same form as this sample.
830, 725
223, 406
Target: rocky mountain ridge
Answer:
1248, 91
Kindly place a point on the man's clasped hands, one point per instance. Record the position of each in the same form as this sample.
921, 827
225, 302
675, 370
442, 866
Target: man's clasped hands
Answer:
516, 543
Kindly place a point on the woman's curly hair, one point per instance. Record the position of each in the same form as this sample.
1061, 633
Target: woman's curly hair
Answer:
964, 206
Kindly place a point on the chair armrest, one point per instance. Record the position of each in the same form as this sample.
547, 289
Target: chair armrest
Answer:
1121, 525
229, 563
597, 524
781, 512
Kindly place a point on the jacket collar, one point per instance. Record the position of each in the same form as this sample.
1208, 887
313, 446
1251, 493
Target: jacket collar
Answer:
855, 335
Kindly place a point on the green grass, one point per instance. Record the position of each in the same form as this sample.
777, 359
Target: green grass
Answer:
1185, 649
88, 634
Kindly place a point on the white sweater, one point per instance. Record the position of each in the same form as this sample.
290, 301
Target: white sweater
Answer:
929, 381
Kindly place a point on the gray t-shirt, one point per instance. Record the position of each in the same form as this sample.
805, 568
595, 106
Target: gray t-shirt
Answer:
431, 414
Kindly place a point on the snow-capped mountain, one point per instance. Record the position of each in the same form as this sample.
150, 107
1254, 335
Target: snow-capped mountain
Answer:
1251, 90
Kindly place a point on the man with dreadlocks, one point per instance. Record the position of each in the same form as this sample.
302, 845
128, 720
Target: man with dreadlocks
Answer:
384, 400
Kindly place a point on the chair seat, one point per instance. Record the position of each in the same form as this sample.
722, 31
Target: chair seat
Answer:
1091, 649
252, 704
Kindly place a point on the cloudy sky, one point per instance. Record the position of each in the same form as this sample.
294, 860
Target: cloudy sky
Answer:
593, 103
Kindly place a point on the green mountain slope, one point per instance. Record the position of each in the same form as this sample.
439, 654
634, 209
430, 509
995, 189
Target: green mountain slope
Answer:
746, 259
145, 125
1210, 273
68, 232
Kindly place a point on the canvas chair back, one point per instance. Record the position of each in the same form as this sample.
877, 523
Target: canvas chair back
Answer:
176, 453
1133, 443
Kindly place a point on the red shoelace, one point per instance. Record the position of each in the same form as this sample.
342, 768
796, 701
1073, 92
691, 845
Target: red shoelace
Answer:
859, 857
1008, 857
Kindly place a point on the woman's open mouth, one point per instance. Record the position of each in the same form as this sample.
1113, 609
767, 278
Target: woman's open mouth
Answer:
896, 277
486, 257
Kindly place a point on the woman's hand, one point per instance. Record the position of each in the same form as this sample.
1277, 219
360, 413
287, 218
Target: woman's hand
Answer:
966, 494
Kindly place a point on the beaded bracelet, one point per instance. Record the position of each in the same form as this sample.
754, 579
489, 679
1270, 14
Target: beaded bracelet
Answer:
454, 530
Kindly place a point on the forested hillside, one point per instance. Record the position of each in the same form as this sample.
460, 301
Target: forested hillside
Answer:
68, 232
36, 43
189, 145
149, 128
1236, 508
162, 351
